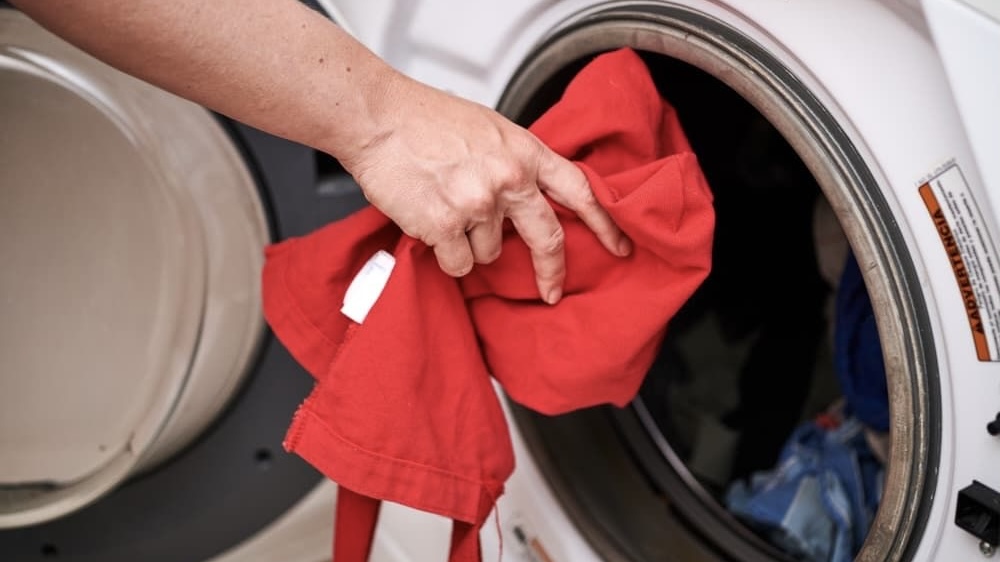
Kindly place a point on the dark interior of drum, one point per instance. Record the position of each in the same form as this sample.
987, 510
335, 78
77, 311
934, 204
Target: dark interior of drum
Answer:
748, 358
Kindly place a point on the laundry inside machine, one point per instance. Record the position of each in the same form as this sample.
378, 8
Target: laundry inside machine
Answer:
753, 371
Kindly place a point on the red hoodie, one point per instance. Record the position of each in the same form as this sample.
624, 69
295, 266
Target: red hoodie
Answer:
404, 408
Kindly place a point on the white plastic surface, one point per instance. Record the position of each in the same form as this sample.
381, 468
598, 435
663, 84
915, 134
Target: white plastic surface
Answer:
367, 286
968, 40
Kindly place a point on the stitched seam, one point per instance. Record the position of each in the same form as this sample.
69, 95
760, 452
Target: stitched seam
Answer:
450, 510
298, 311
292, 441
391, 460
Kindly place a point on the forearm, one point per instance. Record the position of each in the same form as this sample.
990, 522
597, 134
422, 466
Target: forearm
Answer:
273, 64
447, 170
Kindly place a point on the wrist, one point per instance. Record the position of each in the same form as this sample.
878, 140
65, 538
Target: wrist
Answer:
363, 117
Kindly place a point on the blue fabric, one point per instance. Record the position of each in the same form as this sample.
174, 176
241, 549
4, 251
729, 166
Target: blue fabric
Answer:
819, 502
857, 351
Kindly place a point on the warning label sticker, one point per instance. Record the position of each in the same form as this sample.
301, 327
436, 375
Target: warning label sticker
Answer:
971, 253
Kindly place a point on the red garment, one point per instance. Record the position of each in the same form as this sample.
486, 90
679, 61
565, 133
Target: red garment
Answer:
404, 408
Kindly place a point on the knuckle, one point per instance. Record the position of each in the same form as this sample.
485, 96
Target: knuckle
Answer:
448, 226
512, 176
585, 200
414, 232
578, 196
478, 205
555, 243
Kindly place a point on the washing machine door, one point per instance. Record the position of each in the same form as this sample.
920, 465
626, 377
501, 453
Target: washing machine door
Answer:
826, 130
142, 398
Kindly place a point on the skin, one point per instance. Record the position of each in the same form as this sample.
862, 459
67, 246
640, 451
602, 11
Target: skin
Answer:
446, 170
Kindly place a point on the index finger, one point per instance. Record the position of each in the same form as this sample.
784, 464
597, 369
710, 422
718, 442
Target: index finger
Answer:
536, 222
567, 185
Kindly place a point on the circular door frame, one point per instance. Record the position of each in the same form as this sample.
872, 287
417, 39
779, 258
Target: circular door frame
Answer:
851, 185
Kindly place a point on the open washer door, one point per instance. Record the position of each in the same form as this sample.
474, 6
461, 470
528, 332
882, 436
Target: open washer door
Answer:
143, 400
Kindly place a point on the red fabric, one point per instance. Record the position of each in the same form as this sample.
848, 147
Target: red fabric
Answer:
404, 408
354, 527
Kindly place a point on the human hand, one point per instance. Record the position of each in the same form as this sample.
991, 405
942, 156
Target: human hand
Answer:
448, 172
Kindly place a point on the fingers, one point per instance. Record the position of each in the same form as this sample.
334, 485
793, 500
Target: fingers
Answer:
454, 255
536, 222
566, 184
485, 239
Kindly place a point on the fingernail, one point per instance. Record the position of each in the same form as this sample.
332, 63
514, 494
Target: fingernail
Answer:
554, 296
624, 246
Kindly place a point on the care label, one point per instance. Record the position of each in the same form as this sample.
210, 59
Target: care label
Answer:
367, 285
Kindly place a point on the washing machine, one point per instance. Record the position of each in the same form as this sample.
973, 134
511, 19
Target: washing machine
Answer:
144, 401
824, 128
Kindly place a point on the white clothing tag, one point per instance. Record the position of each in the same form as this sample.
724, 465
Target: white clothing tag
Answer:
367, 285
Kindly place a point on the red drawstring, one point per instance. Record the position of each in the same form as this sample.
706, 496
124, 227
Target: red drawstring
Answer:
357, 518
465, 543
354, 530
354, 527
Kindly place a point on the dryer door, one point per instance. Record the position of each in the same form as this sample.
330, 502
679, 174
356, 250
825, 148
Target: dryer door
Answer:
131, 238
142, 400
